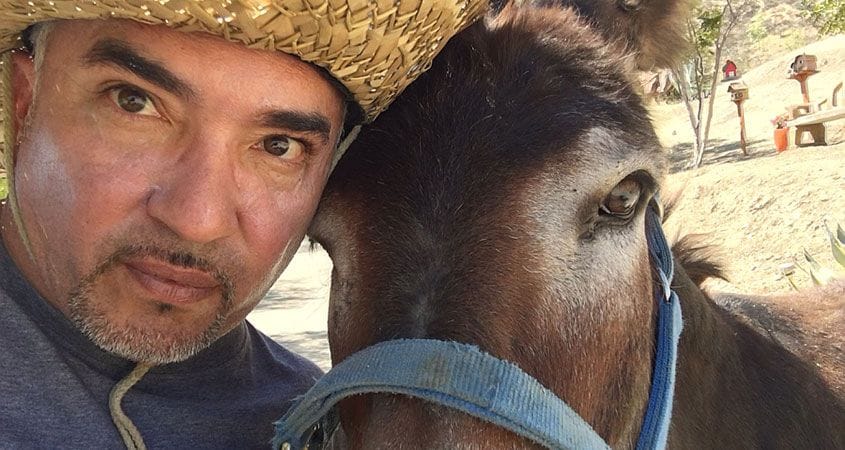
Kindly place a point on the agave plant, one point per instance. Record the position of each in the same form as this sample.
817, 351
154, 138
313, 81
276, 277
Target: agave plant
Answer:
821, 275
3, 185
837, 244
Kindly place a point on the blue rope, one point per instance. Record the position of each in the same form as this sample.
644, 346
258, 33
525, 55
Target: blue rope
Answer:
462, 377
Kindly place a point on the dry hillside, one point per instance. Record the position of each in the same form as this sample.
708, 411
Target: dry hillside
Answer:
765, 208
767, 28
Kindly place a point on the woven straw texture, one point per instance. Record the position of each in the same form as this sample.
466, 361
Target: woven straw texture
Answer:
374, 47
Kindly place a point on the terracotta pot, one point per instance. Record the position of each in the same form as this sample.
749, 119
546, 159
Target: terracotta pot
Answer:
781, 139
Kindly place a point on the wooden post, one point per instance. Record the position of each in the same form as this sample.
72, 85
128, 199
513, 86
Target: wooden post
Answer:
741, 112
739, 93
801, 77
802, 68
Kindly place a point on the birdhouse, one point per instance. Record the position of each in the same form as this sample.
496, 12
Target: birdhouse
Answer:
729, 71
803, 63
738, 91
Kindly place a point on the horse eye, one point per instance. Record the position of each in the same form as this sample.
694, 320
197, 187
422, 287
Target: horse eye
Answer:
622, 200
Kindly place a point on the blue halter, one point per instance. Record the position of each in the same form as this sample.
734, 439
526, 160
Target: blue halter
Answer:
462, 377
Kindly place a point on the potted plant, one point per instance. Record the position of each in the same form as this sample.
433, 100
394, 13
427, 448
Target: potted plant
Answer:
781, 132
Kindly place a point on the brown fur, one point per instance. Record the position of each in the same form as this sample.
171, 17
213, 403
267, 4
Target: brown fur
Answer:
469, 211
807, 323
640, 27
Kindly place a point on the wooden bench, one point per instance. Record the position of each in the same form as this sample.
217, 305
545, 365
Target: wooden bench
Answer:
813, 123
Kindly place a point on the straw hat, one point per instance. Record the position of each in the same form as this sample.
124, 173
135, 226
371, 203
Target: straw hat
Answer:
374, 47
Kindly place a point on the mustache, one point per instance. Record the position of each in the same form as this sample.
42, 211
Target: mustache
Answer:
175, 257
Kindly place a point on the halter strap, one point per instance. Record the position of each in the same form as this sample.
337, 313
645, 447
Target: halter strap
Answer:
451, 374
462, 377
655, 429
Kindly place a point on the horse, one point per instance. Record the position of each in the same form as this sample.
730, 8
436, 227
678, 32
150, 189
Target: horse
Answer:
501, 202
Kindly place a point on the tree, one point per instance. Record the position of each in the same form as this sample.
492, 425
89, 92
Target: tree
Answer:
828, 15
707, 29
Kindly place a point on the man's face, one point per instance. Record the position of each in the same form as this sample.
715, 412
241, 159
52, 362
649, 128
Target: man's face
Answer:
164, 179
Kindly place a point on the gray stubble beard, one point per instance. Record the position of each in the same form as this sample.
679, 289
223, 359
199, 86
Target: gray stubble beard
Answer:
136, 343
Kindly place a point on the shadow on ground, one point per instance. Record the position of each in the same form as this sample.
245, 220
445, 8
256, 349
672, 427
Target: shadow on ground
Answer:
719, 151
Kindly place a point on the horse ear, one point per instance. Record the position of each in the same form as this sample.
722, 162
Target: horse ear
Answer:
656, 30
652, 30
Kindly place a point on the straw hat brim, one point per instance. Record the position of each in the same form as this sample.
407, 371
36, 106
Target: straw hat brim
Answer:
375, 48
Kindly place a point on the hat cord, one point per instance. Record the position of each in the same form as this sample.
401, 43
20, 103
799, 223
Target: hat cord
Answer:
344, 145
128, 431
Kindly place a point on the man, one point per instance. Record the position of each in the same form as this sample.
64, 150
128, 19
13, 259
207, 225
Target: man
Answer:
161, 176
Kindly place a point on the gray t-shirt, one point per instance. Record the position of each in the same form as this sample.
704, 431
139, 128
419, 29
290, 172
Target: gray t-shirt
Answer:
54, 384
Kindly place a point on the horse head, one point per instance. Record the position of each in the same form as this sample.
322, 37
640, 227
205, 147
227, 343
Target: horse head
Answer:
500, 202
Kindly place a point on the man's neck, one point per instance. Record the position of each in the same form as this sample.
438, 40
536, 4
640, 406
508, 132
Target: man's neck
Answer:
22, 256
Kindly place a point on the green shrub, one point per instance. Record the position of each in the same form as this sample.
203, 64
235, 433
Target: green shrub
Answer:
757, 29
828, 15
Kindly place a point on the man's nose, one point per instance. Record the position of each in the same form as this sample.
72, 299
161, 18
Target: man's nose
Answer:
196, 198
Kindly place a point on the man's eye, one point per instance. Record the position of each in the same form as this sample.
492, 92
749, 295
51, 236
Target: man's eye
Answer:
284, 147
134, 100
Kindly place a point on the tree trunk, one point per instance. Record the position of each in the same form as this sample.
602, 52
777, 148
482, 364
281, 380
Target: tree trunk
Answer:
700, 141
683, 82
705, 133
717, 58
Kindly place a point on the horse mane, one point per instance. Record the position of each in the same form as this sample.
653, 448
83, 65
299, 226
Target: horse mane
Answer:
699, 259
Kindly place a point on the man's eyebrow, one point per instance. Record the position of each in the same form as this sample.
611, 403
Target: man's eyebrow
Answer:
118, 53
307, 122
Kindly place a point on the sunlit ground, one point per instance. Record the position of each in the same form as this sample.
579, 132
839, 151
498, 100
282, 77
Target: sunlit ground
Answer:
295, 311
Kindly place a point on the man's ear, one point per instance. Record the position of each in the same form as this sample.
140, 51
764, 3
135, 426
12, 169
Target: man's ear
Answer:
23, 84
